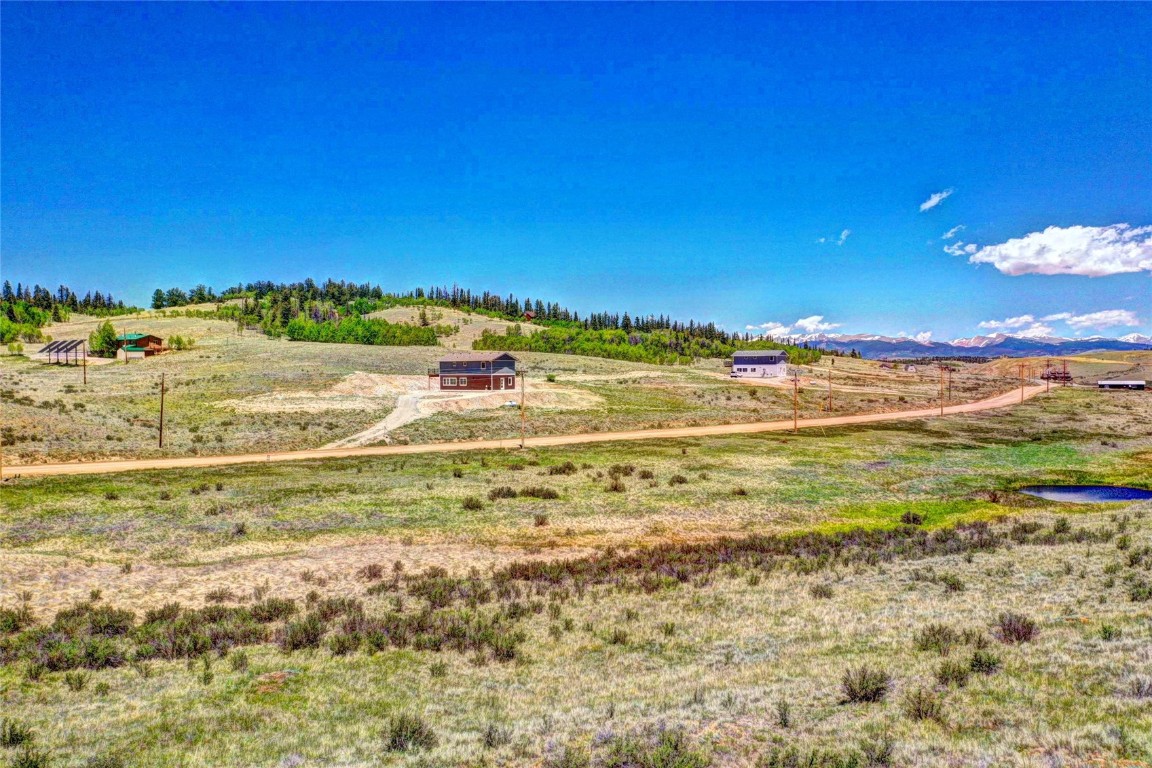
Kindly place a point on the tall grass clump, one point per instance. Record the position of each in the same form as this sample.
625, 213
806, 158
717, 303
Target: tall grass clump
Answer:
1014, 629
865, 684
14, 734
407, 731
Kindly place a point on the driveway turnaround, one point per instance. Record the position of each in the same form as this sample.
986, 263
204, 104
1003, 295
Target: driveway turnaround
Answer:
183, 462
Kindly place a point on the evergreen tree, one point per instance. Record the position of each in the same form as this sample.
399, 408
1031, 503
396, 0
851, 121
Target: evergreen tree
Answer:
158, 299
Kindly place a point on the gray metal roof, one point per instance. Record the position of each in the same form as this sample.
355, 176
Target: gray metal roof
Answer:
760, 353
453, 356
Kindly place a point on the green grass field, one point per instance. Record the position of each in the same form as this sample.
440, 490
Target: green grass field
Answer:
737, 660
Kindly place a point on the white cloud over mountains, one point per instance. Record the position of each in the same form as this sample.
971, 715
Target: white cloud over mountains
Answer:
1077, 250
1030, 326
810, 324
935, 199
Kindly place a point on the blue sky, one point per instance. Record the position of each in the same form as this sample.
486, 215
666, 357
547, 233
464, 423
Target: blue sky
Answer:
702, 160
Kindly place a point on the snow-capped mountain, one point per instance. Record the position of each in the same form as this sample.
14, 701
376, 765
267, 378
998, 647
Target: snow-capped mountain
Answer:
994, 345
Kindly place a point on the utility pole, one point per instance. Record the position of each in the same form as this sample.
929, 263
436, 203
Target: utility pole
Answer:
523, 410
1047, 375
941, 369
829, 390
84, 347
161, 410
795, 401
1064, 379
1022, 382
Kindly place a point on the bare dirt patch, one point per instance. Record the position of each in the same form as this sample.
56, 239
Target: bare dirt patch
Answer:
357, 391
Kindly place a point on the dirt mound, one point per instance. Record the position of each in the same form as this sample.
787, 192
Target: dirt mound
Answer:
356, 391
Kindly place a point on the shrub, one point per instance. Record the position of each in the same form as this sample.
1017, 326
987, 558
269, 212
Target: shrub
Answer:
666, 748
408, 731
912, 518
783, 714
616, 486
619, 636
568, 756
621, 470
111, 495
567, 468
865, 684
646, 474
1140, 688
1108, 633
1061, 526
238, 660
539, 492
677, 480
30, 757
273, 609
342, 644
303, 633
457, 472
540, 519
496, 735
77, 680
1140, 592
951, 582
984, 662
221, 595
240, 529
105, 761
502, 492
472, 504
937, 637
13, 734
953, 673
739, 492
923, 704
1013, 628
438, 669
821, 591
371, 572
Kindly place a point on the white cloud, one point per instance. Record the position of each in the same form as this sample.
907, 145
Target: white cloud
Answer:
1086, 251
843, 236
935, 199
1009, 323
822, 240
961, 249
771, 328
1108, 318
952, 232
1057, 316
1035, 330
814, 324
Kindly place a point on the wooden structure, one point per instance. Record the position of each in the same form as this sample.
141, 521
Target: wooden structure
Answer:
472, 371
139, 344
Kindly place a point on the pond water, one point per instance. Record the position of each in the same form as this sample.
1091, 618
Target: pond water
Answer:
1086, 493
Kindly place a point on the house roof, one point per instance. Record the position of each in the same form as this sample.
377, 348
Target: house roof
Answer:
457, 356
761, 353
132, 336
1121, 381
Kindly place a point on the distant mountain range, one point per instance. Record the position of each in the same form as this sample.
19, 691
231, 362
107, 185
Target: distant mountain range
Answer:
995, 345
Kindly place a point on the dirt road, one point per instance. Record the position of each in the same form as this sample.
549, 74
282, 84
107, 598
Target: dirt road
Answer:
128, 465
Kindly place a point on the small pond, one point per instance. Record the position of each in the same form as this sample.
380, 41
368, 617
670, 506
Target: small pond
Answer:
1082, 494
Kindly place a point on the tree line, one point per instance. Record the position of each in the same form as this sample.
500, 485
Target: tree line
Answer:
666, 347
26, 310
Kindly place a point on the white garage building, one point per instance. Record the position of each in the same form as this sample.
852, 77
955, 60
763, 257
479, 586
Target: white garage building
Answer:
760, 364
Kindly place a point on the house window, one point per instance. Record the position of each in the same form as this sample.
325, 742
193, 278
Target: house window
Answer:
483, 365
450, 381
463, 381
